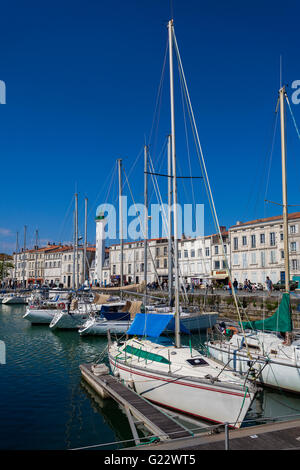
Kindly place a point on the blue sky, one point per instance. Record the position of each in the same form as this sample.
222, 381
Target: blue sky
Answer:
82, 80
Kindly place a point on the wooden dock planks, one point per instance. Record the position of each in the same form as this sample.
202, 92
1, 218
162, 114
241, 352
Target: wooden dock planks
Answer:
155, 420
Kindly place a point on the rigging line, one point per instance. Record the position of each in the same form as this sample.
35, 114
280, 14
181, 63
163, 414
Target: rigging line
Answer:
170, 176
209, 188
293, 118
164, 148
271, 155
158, 97
142, 229
278, 204
186, 135
65, 218
166, 224
108, 178
131, 170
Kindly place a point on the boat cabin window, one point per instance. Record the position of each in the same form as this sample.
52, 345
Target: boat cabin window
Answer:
197, 361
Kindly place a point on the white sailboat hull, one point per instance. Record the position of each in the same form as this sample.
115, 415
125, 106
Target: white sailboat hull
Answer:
101, 326
70, 321
280, 371
204, 401
40, 316
14, 300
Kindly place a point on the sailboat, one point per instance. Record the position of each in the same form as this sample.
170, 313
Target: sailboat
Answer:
267, 350
172, 375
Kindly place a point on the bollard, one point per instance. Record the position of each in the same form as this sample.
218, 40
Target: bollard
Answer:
226, 436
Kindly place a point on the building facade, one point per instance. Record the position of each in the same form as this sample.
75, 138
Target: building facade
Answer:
257, 249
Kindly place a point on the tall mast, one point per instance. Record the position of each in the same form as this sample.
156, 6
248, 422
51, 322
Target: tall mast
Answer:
76, 241
85, 239
177, 320
284, 190
16, 257
74, 263
24, 263
120, 221
35, 264
170, 262
146, 220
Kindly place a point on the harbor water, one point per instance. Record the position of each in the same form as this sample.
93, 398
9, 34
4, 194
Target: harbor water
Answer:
45, 404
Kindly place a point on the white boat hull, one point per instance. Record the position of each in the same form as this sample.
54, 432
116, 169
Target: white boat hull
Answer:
275, 373
101, 326
40, 316
204, 401
70, 321
14, 300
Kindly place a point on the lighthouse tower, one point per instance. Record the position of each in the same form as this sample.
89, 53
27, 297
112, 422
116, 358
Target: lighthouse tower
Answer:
100, 246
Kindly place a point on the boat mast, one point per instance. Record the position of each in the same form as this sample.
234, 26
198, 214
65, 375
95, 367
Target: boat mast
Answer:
173, 146
146, 221
16, 257
120, 221
282, 93
24, 264
85, 239
170, 262
36, 254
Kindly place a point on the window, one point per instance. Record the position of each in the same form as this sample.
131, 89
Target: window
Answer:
245, 260
142, 267
206, 251
253, 241
281, 237
200, 252
216, 250
293, 246
262, 238
273, 256
129, 269
165, 263
244, 240
192, 253
217, 264
165, 250
224, 264
157, 251
186, 253
225, 249
272, 238
293, 230
235, 243
253, 258
263, 258
179, 254
235, 259
282, 254
157, 263
114, 269
294, 264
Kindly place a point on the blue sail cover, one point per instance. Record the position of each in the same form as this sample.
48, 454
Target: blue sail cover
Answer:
152, 324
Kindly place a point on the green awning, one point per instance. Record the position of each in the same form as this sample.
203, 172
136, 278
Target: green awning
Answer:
281, 320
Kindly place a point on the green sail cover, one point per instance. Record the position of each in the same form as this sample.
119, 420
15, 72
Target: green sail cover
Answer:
280, 321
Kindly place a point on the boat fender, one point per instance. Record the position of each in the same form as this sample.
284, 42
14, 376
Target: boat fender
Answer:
100, 369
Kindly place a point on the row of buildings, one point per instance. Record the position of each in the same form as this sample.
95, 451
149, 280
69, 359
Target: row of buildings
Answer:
253, 250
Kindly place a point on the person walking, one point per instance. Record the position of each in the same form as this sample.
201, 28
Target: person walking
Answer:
235, 285
269, 285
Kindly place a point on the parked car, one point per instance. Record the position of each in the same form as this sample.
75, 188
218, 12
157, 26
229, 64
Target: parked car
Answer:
280, 285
